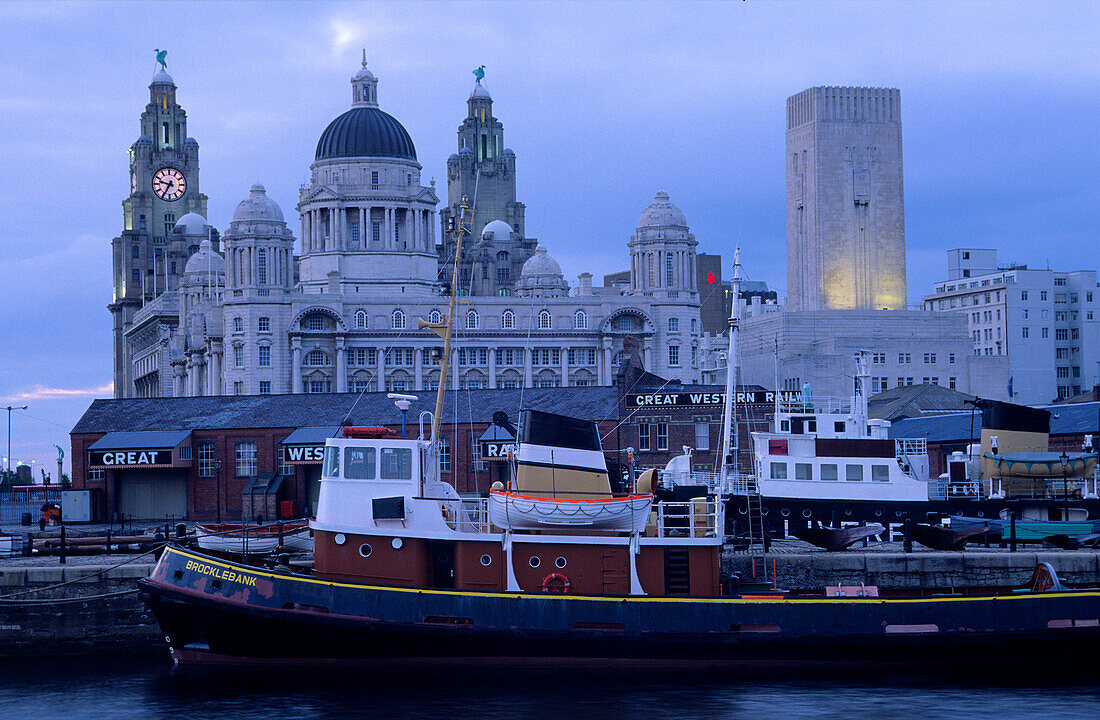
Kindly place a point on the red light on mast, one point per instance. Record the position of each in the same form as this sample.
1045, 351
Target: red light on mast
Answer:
710, 278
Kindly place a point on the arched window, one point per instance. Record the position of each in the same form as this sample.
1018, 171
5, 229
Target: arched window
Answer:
580, 320
544, 320
360, 319
435, 316
502, 256
398, 322
624, 322
316, 358
508, 320
315, 322
238, 325
473, 322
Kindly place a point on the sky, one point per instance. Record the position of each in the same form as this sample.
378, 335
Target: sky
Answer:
603, 103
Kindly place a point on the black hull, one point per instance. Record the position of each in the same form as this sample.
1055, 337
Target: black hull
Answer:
281, 618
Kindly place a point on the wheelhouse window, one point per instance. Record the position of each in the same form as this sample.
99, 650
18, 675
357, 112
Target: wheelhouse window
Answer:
396, 464
332, 462
828, 472
880, 473
359, 463
779, 471
853, 473
803, 471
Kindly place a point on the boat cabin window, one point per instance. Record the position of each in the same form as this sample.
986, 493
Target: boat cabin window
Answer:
785, 426
359, 463
779, 471
396, 464
803, 471
828, 472
838, 426
802, 425
854, 473
332, 462
541, 428
880, 473
811, 426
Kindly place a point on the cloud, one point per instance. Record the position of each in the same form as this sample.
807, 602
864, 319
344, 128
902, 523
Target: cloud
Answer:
41, 392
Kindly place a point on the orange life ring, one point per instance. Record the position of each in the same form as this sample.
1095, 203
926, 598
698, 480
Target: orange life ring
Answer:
551, 578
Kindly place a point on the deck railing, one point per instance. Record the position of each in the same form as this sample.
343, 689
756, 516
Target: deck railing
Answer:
695, 518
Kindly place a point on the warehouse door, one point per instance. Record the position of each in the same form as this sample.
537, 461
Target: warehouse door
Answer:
152, 494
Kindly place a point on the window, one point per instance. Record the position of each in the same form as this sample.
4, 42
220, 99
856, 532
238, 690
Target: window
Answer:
952, 382
374, 179
316, 358
169, 223
930, 358
673, 354
265, 356
803, 471
185, 452
880, 473
904, 358
1045, 332
1043, 295
376, 232
261, 266
828, 472
504, 274
473, 322
1060, 282
668, 271
246, 458
580, 320
643, 436
544, 320
702, 436
315, 322
238, 356
238, 387
319, 386
206, 459
694, 325
359, 463
1061, 334
135, 276
264, 324
779, 471
662, 436
360, 319
397, 322
265, 387
444, 454
135, 252
1024, 332
396, 464
878, 358
951, 358
435, 316
508, 320
853, 473
674, 324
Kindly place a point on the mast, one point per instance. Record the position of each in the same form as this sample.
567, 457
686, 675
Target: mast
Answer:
459, 229
733, 363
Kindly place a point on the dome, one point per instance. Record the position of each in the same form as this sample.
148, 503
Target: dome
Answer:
466, 151
257, 206
480, 93
143, 140
499, 231
364, 74
162, 76
507, 153
190, 141
540, 264
662, 213
190, 224
205, 261
365, 132
453, 158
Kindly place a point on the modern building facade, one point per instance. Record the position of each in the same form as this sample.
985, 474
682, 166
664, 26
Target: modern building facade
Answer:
1044, 321
845, 209
341, 314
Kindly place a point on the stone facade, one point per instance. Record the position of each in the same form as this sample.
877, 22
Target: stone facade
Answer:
845, 211
342, 315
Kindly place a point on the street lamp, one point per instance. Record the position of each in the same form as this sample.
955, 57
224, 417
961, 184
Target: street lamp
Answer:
218, 488
1065, 485
9, 408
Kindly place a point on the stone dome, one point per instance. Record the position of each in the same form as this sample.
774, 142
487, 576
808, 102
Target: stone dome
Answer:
365, 132
257, 207
540, 264
143, 140
507, 153
190, 224
190, 141
364, 74
453, 158
498, 231
466, 151
206, 262
162, 76
662, 213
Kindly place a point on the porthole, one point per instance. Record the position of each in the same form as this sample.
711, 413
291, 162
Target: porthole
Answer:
535, 562
339, 539
848, 511
981, 513
742, 510
806, 513
365, 550
560, 562
785, 512
897, 513
396, 543
878, 513
486, 560
764, 511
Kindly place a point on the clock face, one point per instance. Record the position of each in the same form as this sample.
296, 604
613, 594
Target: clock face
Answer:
169, 184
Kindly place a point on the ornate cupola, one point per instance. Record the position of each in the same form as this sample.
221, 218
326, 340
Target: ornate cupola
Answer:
364, 87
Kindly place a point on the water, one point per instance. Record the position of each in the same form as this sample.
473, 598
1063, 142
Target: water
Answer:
149, 688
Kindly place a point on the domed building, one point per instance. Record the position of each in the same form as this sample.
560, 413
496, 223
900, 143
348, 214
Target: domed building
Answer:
341, 315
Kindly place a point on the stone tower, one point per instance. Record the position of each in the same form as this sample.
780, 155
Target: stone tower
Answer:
164, 187
845, 214
662, 252
484, 172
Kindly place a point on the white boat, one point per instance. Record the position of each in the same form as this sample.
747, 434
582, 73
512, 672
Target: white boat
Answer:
253, 540
513, 511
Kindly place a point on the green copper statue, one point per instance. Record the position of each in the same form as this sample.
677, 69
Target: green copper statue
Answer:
161, 54
479, 73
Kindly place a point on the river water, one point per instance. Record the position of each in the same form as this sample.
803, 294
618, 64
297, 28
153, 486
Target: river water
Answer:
110, 688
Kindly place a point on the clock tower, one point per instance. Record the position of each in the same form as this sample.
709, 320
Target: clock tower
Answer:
148, 257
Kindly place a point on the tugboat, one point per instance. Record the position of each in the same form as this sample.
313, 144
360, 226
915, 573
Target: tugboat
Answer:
555, 569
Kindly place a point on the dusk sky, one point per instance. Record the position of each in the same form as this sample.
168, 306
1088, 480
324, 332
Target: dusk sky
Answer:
603, 104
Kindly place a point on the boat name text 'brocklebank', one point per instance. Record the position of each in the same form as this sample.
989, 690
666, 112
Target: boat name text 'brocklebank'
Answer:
220, 573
